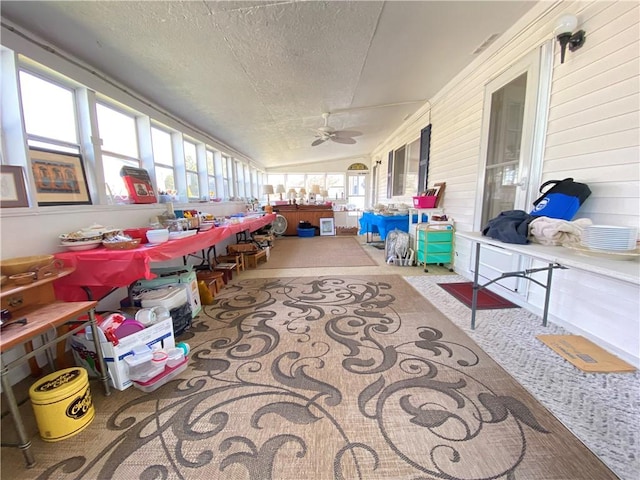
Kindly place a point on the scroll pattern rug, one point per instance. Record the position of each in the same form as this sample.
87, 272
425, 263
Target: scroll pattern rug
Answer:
322, 378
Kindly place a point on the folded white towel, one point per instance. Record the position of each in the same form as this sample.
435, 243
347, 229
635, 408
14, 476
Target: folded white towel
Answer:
551, 231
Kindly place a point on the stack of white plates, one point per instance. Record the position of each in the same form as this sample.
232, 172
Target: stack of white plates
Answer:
610, 237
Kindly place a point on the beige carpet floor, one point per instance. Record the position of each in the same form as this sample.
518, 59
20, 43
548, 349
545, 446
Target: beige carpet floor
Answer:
314, 252
350, 377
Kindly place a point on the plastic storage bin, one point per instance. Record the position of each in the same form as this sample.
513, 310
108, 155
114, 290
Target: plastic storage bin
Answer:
306, 232
424, 202
167, 374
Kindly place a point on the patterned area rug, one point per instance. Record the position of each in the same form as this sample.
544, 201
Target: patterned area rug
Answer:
322, 378
316, 252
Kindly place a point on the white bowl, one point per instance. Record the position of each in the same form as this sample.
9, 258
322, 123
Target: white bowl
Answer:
158, 236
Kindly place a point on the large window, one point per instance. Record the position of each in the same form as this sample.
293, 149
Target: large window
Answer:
163, 161
191, 167
335, 186
399, 171
412, 164
211, 173
119, 147
49, 111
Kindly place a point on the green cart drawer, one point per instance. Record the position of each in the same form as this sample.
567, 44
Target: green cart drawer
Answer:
438, 247
434, 258
443, 236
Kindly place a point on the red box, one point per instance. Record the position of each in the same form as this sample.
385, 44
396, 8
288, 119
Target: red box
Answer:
424, 202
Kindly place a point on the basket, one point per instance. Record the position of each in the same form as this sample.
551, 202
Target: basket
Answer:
126, 245
424, 202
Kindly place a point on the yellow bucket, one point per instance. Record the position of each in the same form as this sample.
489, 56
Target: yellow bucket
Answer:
62, 403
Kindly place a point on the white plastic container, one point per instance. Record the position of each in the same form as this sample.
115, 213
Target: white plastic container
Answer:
168, 297
175, 356
139, 365
156, 382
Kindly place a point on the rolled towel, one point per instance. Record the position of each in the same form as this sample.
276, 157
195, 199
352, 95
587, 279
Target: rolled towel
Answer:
551, 231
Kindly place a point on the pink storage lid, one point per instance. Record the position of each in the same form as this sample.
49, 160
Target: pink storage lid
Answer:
128, 327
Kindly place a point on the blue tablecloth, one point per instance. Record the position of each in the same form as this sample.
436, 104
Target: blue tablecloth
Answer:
383, 224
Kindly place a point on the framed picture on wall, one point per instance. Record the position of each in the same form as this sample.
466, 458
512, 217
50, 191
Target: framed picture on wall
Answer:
327, 226
60, 178
13, 192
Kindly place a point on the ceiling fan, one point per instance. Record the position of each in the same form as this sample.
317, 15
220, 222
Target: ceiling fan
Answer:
326, 132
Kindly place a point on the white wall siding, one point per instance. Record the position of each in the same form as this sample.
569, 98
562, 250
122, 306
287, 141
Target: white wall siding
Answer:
592, 135
594, 117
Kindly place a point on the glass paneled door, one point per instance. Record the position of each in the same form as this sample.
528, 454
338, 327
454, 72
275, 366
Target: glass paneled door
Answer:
514, 121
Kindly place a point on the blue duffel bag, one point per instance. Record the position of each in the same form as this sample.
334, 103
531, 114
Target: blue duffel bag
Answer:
562, 200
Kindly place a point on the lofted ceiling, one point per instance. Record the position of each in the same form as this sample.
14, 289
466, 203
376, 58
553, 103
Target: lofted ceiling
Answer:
258, 75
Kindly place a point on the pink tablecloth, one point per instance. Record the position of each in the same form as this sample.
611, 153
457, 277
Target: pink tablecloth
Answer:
101, 270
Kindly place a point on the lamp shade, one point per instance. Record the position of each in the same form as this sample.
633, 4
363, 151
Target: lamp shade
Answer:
280, 189
303, 191
291, 193
315, 189
267, 189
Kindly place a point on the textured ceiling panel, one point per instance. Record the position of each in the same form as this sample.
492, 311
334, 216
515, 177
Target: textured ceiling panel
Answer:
257, 75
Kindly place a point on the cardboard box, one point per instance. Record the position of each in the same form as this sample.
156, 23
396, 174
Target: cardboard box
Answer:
157, 335
174, 275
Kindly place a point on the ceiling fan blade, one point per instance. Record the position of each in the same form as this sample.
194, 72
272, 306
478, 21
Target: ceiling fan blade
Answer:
348, 133
318, 141
344, 140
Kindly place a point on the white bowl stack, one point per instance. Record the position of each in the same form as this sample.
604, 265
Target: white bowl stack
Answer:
610, 238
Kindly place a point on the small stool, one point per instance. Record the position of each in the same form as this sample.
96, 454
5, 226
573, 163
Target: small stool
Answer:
227, 269
236, 258
214, 280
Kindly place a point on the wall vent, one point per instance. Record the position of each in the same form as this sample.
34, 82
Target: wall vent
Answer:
486, 43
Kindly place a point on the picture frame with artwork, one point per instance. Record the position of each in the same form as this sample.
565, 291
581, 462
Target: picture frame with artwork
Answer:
13, 191
327, 226
59, 177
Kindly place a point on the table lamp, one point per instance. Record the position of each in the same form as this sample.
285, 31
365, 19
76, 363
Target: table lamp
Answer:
280, 189
315, 191
267, 190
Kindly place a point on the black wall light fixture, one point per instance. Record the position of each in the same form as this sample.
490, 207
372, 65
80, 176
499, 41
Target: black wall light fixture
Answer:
565, 25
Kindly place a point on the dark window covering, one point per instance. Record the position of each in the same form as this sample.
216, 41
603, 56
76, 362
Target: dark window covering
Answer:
423, 167
390, 175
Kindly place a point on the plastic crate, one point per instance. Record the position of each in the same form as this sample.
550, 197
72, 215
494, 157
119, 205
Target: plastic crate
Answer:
424, 202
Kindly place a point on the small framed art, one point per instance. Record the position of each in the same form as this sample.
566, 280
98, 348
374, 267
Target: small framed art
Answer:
60, 178
13, 192
327, 226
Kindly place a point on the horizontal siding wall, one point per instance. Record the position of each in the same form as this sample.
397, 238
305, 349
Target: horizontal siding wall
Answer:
594, 119
593, 135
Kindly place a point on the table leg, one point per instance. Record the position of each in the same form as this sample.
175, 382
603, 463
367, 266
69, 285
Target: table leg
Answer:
35, 369
102, 367
25, 443
547, 294
476, 287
